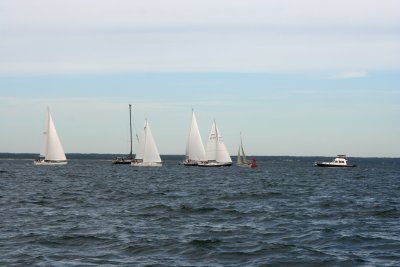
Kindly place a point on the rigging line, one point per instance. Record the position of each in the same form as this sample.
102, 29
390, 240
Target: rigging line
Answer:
134, 126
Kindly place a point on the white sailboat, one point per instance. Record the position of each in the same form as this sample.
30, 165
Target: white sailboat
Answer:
241, 157
52, 151
147, 153
195, 152
217, 154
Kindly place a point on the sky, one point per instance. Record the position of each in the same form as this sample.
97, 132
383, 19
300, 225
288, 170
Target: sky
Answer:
295, 77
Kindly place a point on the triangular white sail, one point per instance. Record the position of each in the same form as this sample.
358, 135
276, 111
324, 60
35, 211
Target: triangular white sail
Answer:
216, 149
194, 146
55, 150
52, 150
147, 152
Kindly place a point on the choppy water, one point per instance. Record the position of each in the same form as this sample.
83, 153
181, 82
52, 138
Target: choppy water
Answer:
285, 213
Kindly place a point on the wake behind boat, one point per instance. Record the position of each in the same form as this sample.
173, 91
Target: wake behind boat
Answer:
339, 161
52, 151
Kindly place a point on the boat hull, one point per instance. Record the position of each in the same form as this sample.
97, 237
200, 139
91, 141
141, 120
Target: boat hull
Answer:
331, 165
190, 163
215, 164
146, 164
121, 161
50, 163
244, 165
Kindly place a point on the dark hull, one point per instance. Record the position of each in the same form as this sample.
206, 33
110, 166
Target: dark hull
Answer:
333, 165
190, 164
121, 161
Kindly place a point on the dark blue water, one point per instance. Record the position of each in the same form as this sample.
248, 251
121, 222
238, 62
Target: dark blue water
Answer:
285, 213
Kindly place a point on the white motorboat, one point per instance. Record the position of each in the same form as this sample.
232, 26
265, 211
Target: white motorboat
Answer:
339, 161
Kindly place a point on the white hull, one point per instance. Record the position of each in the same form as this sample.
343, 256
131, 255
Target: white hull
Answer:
248, 165
215, 164
190, 162
340, 161
146, 164
50, 163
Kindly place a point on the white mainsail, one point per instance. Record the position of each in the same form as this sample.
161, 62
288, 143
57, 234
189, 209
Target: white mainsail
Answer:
55, 150
147, 151
52, 150
216, 149
194, 146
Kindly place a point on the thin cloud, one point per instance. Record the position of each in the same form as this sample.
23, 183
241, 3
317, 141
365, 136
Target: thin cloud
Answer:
103, 36
349, 75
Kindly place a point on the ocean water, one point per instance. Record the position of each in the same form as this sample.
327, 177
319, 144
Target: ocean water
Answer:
284, 213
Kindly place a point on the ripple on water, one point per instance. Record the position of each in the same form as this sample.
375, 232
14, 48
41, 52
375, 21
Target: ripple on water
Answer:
284, 213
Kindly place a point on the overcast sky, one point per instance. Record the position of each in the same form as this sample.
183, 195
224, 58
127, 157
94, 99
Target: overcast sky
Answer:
297, 77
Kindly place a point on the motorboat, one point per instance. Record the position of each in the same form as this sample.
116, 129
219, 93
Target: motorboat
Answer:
339, 161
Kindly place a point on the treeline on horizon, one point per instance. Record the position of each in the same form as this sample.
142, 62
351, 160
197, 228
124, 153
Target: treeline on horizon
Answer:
104, 156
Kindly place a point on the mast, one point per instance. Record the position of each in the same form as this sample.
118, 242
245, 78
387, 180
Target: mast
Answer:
130, 128
216, 143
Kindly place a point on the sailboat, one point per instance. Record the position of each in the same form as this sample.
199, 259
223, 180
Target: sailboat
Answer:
147, 153
241, 156
195, 152
217, 154
52, 151
129, 158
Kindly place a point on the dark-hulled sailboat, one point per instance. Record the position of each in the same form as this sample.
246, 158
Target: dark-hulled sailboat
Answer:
128, 159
